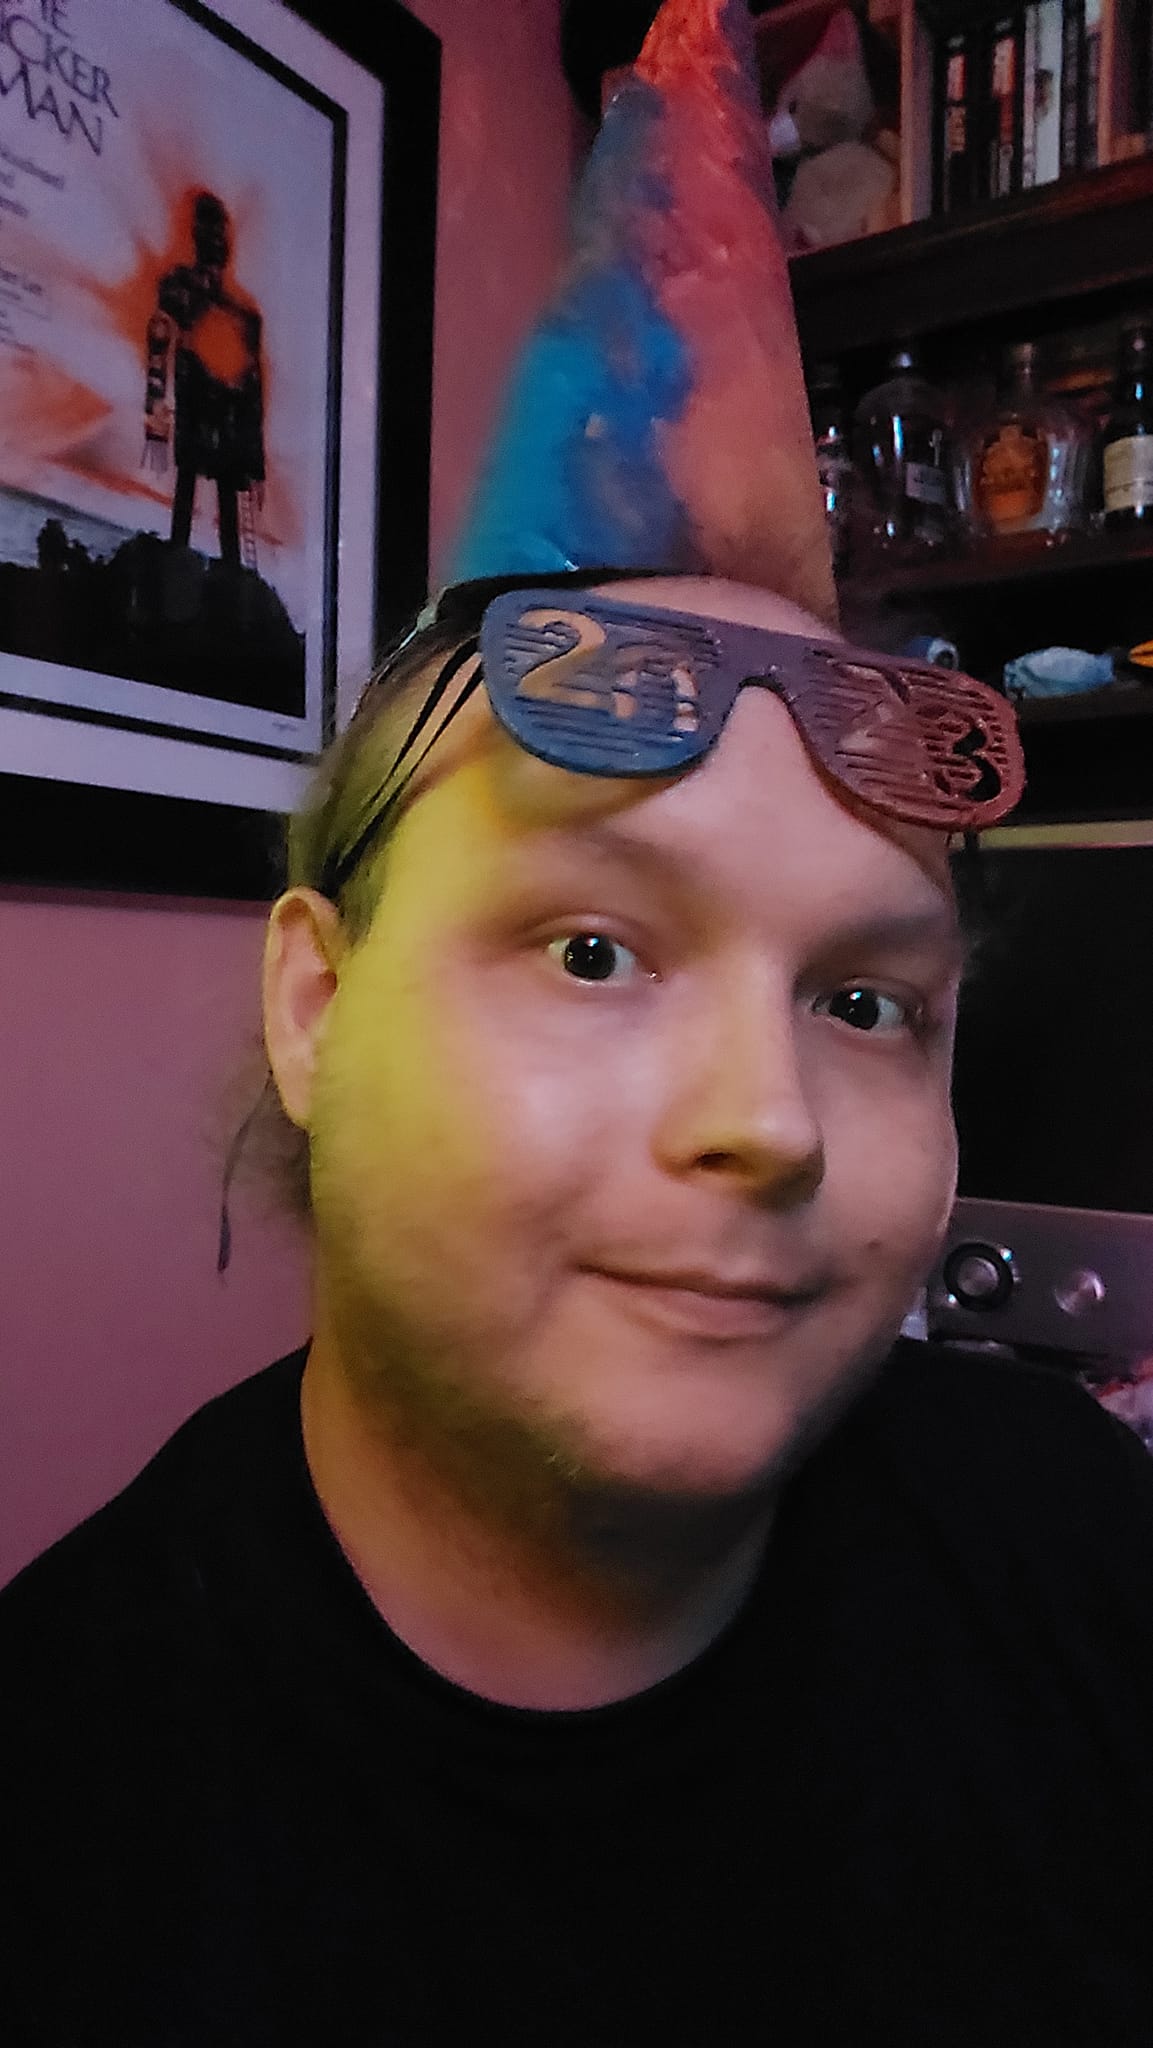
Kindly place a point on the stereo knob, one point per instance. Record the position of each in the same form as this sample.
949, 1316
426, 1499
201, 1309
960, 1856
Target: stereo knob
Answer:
980, 1276
1079, 1292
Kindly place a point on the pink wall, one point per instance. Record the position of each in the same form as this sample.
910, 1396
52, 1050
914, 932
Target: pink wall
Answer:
510, 140
119, 1014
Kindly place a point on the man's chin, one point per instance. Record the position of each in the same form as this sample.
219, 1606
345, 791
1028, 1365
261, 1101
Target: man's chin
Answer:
654, 1531
707, 1479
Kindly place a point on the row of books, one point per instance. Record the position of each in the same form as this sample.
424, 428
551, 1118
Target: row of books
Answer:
1017, 96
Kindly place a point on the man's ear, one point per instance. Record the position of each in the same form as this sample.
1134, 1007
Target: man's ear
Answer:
304, 947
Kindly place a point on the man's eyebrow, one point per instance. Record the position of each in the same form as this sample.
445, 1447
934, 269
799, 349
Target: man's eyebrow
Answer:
935, 924
904, 931
662, 863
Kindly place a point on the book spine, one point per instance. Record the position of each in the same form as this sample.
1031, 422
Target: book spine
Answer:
939, 122
1047, 90
978, 113
1005, 67
1018, 98
1072, 26
954, 154
1088, 153
1140, 59
1029, 61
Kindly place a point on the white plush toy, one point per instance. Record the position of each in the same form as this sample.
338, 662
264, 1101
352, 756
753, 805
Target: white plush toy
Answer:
846, 181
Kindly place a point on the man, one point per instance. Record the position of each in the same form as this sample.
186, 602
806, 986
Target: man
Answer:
630, 1131
602, 1630
590, 1635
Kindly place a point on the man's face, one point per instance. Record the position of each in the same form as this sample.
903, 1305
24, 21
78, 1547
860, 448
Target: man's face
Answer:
630, 1119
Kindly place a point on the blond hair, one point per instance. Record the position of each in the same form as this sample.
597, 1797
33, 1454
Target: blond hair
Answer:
337, 843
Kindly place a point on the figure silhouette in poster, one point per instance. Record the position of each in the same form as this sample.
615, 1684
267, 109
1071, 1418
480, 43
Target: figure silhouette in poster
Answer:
205, 394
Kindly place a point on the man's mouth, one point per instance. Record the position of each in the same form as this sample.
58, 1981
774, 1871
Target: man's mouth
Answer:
706, 1304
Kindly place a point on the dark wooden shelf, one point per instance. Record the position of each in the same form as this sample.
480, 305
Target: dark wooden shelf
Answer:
1076, 251
993, 564
1063, 242
1115, 700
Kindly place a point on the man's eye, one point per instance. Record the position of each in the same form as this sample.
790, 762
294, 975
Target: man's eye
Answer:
590, 956
867, 1009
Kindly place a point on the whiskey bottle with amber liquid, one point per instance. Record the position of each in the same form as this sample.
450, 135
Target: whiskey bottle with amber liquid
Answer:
1127, 435
1023, 465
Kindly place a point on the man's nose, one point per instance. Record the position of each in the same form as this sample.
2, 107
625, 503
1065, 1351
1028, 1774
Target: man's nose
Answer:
736, 1105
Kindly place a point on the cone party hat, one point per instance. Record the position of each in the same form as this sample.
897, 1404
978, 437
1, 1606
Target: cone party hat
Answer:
658, 417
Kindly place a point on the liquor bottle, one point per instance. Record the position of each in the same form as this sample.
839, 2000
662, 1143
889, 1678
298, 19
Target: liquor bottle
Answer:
1021, 470
1127, 435
834, 457
904, 459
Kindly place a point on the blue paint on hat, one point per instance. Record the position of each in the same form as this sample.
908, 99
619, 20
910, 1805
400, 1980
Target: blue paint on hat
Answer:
576, 476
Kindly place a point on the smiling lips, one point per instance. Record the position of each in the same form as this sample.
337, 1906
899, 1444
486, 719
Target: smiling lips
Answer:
706, 1305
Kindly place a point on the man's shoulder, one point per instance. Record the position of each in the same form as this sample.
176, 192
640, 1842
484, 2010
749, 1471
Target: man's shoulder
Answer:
1014, 1458
139, 1551
1001, 1402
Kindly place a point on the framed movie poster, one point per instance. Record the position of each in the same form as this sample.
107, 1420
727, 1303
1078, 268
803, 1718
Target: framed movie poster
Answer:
217, 232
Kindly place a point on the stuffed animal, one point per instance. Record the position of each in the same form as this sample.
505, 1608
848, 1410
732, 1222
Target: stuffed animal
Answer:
826, 126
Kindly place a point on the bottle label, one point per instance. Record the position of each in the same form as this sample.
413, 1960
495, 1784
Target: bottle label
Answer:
926, 485
1129, 473
1011, 476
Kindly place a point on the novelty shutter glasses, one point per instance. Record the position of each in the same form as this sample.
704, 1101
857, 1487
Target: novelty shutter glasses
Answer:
603, 688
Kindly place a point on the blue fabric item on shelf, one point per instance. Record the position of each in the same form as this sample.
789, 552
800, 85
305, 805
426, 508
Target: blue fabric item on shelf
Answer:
1058, 672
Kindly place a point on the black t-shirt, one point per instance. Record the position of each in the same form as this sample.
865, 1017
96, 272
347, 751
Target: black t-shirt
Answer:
906, 1798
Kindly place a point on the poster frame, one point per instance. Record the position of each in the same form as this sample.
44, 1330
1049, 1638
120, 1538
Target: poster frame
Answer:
69, 835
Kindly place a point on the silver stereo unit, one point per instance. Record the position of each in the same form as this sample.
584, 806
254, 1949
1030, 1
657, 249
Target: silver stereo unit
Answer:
1078, 1281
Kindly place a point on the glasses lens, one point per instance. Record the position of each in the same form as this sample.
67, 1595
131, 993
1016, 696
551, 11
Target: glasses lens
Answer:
929, 746
605, 690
